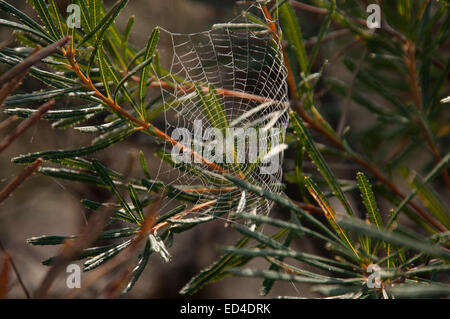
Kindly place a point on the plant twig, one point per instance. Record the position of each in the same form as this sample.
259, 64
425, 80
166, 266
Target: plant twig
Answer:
72, 248
316, 10
410, 61
384, 27
191, 88
19, 179
117, 285
8, 121
22, 127
16, 271
70, 55
10, 86
124, 256
33, 59
210, 190
185, 212
309, 207
308, 8
290, 73
4, 276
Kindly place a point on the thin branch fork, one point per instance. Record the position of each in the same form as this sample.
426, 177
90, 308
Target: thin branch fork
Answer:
8, 121
22, 127
72, 248
309, 207
4, 275
19, 179
321, 11
384, 27
147, 227
16, 271
210, 190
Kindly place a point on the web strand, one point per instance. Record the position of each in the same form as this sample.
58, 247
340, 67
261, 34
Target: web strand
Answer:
242, 57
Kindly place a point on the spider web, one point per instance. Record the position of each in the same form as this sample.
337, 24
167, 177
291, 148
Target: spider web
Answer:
243, 62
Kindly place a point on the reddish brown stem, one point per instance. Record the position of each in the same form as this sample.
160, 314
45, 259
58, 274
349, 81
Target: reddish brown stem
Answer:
16, 272
10, 120
10, 86
309, 207
410, 61
32, 59
143, 124
210, 190
333, 35
4, 276
316, 10
22, 127
378, 175
18, 180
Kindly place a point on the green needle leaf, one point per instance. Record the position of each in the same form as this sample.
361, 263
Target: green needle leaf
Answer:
148, 56
316, 157
100, 29
101, 171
